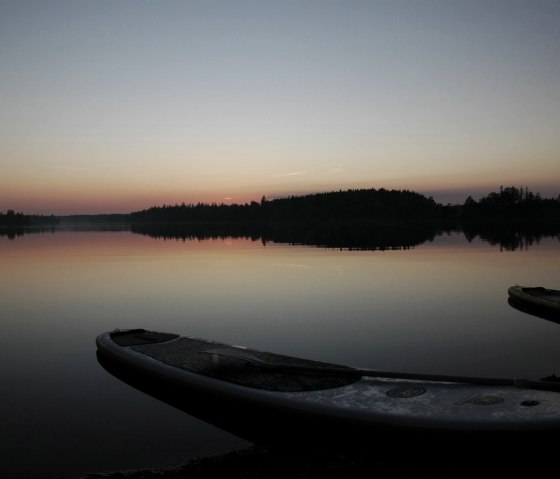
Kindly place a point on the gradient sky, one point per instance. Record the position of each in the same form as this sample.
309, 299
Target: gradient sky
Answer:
118, 105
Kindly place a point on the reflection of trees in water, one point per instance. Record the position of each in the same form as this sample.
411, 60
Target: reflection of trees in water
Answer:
200, 231
355, 235
17, 232
14, 232
362, 219
351, 235
358, 235
511, 236
513, 218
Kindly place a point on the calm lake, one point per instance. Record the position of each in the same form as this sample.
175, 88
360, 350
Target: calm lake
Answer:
438, 307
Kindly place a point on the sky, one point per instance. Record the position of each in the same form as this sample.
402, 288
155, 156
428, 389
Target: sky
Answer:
112, 106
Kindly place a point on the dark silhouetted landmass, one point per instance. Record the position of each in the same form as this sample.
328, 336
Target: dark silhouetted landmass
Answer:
361, 205
14, 225
373, 219
354, 219
11, 219
509, 203
512, 203
513, 218
361, 219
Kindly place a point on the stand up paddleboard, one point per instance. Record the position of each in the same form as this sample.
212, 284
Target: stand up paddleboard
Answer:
539, 301
285, 395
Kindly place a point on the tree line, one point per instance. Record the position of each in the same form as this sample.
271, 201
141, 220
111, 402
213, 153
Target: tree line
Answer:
13, 219
512, 203
508, 203
350, 205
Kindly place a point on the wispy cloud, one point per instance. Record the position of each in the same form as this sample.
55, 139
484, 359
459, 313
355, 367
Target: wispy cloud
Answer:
70, 168
292, 173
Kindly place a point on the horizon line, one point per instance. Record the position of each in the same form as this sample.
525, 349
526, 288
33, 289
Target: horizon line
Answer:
455, 193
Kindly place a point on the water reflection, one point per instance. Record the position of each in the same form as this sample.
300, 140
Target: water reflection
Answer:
511, 236
354, 236
191, 401
350, 236
440, 307
17, 232
542, 313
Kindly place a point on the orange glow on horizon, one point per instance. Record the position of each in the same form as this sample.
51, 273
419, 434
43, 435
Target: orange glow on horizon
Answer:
113, 201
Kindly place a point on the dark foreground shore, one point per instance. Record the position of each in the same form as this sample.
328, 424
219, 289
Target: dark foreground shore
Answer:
255, 462
258, 462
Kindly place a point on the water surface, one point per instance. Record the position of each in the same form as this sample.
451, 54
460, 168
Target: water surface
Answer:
440, 307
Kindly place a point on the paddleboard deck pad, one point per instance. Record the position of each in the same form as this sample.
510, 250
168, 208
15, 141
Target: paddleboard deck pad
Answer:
188, 364
195, 356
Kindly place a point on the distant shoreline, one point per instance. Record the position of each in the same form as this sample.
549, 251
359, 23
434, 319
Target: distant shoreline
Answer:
509, 203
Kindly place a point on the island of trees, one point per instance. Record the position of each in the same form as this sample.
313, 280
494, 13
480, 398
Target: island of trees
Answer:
334, 206
508, 203
362, 219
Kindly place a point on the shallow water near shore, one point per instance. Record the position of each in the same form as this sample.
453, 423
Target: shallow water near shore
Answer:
440, 307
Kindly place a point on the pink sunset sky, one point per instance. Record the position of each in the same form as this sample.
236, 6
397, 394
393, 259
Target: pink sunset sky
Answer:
111, 107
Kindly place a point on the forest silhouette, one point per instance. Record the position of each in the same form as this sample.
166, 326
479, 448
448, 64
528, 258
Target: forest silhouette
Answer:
11, 219
508, 203
370, 204
353, 219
